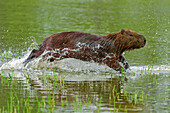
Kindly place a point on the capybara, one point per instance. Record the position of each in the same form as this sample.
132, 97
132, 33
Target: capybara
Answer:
103, 49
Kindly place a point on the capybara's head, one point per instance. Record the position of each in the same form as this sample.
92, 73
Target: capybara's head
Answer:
132, 39
127, 40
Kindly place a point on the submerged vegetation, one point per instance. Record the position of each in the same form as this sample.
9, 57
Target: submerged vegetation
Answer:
53, 94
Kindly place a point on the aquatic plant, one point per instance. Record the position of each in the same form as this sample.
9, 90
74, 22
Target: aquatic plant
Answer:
56, 80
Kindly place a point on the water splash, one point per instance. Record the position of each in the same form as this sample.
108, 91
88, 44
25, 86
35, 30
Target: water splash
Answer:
75, 65
162, 69
15, 63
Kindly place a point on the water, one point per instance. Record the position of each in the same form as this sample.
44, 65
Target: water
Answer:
25, 24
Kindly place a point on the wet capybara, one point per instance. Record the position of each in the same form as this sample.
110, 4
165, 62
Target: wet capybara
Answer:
103, 49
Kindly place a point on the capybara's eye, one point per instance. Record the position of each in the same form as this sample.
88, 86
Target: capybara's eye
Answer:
130, 35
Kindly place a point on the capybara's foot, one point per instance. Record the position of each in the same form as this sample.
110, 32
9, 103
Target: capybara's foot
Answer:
124, 62
126, 65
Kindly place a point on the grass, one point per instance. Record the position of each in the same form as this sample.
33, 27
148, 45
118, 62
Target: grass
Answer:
118, 101
16, 104
50, 104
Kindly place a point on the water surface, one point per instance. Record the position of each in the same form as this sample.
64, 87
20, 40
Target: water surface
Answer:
25, 24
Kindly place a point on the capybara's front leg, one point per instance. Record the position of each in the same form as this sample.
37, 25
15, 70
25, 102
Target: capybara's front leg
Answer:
112, 62
124, 62
115, 65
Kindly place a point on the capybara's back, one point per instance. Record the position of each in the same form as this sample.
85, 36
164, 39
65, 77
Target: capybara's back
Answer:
68, 40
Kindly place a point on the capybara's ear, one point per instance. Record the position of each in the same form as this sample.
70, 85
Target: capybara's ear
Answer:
122, 31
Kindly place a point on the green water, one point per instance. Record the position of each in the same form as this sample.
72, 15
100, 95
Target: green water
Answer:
23, 23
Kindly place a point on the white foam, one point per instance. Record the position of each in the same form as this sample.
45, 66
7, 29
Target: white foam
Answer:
71, 64
75, 65
15, 63
164, 69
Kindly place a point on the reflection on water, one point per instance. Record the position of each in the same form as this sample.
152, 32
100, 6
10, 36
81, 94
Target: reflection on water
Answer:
108, 95
92, 91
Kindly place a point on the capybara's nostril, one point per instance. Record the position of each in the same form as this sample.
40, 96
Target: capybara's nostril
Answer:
144, 41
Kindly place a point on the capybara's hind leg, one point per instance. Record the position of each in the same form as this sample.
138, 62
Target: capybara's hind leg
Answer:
31, 56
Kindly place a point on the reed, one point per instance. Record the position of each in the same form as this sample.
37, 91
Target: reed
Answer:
16, 104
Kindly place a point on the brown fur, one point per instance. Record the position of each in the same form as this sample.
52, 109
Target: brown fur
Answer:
88, 47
